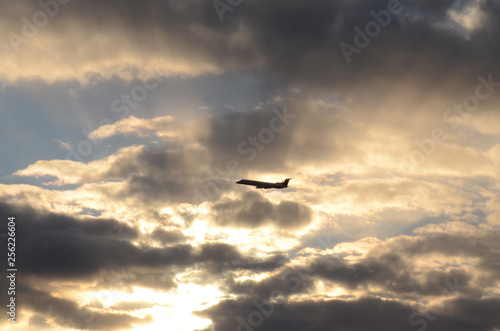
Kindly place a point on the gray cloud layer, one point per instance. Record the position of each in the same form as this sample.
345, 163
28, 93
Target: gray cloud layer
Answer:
262, 36
362, 314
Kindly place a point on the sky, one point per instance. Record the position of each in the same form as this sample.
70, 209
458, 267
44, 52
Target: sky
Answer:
126, 124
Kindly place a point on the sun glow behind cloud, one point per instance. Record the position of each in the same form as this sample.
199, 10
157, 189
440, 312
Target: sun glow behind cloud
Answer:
174, 309
471, 17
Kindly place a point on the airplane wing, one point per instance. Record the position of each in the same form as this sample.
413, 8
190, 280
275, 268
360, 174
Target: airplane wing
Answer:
255, 183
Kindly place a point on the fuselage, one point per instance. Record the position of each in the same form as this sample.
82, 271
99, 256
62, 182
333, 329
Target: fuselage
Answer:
264, 185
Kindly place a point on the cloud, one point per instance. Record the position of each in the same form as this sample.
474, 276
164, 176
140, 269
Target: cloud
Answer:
354, 315
349, 135
161, 126
132, 305
67, 313
254, 210
90, 39
67, 171
167, 237
60, 246
414, 279
190, 39
389, 275
146, 172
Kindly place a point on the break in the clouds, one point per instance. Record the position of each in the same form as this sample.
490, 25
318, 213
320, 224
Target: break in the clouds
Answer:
126, 125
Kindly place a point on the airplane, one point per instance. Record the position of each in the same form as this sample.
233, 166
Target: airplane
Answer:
265, 185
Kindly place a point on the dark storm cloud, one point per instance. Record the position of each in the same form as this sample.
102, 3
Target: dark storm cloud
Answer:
363, 314
253, 210
220, 258
56, 223
268, 305
298, 41
354, 315
392, 265
167, 237
392, 274
62, 249
405, 49
288, 281
65, 254
482, 312
484, 247
389, 273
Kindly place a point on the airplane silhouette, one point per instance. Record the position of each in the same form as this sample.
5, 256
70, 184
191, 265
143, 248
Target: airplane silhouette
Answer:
265, 185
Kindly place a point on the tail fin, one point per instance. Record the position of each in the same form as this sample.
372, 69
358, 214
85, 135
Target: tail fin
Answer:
285, 181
